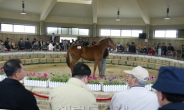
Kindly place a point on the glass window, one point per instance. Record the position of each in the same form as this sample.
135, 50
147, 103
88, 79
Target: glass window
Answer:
159, 33
70, 31
59, 30
126, 33
75, 31
64, 30
115, 32
7, 27
84, 32
170, 33
135, 33
30, 29
105, 32
18, 28
51, 30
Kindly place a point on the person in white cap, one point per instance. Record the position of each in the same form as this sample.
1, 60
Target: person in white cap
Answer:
137, 97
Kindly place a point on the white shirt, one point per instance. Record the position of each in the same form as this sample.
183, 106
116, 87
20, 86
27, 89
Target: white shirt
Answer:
136, 98
51, 47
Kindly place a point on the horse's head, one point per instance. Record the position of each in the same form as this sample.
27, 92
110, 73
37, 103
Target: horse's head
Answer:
111, 43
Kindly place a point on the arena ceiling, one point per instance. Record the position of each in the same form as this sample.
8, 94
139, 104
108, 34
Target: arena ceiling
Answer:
144, 9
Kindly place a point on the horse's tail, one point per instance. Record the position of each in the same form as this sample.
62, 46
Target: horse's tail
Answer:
68, 59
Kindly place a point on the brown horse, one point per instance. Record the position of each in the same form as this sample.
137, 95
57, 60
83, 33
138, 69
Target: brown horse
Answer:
94, 53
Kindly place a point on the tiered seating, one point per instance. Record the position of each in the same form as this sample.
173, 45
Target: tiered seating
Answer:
116, 59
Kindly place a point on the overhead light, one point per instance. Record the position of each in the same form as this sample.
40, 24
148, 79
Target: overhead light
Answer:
118, 19
167, 16
23, 12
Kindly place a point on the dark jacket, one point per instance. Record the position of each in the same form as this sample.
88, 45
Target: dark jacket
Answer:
28, 45
14, 96
171, 48
173, 106
106, 53
132, 49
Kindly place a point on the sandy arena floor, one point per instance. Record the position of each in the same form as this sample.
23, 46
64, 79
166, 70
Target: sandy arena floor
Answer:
111, 70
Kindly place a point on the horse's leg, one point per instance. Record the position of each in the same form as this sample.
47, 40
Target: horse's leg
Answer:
96, 63
99, 68
74, 60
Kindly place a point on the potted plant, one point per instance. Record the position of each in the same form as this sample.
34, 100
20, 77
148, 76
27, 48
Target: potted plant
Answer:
36, 79
93, 83
114, 84
58, 79
2, 74
150, 82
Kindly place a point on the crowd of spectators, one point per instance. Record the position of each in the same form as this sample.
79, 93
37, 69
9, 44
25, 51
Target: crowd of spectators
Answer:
156, 49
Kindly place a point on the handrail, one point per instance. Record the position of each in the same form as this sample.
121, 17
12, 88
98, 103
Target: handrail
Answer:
46, 97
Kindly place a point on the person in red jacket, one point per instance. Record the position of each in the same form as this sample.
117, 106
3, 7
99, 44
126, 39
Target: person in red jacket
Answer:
151, 52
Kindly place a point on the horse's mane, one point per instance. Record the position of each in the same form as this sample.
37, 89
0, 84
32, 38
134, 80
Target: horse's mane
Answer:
101, 40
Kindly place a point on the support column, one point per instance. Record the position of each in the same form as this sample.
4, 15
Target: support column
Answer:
42, 28
94, 30
148, 31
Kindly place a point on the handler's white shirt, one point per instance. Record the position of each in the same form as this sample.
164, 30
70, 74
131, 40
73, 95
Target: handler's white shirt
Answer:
51, 47
136, 98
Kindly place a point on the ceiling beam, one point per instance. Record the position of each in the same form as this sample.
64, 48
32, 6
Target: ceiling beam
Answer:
47, 8
142, 10
1, 1
95, 6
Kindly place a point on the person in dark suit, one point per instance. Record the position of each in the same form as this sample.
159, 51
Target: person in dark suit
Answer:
13, 95
28, 45
132, 48
170, 47
164, 48
53, 38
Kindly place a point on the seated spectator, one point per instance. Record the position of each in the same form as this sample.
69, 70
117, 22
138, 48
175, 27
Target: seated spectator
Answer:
120, 49
137, 97
169, 86
75, 93
151, 52
8, 46
28, 44
182, 50
2, 47
36, 46
12, 44
149, 48
44, 47
21, 45
50, 46
144, 50
170, 47
94, 42
13, 95
57, 46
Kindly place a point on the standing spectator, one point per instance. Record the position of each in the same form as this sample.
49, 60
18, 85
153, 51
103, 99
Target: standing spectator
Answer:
169, 86
170, 47
159, 50
103, 63
132, 48
182, 50
75, 93
13, 95
53, 38
164, 48
28, 45
137, 97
